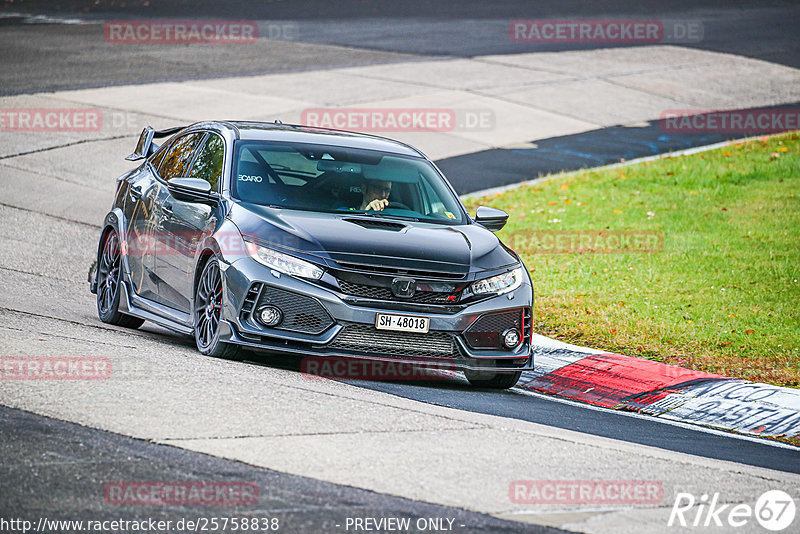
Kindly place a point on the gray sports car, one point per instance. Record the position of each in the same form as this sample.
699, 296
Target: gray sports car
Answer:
311, 242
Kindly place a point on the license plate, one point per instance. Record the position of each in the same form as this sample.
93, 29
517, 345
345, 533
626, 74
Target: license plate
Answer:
402, 323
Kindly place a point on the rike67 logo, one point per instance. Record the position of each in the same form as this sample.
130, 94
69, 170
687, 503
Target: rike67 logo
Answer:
774, 510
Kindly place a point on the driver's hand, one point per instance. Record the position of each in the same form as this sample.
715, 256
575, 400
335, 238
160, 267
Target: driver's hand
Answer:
378, 204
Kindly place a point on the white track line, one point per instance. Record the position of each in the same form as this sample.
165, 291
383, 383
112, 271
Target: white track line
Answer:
690, 426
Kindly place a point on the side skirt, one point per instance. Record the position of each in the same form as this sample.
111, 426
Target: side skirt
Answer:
157, 313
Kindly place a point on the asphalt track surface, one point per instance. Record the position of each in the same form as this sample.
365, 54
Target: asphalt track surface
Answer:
71, 462
537, 408
499, 167
338, 34
353, 33
59, 470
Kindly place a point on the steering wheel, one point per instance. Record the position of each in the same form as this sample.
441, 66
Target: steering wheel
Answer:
397, 206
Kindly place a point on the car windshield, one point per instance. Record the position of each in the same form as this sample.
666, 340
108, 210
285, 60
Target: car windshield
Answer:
335, 179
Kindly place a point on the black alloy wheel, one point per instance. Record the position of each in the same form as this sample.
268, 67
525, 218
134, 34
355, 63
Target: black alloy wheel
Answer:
109, 282
208, 314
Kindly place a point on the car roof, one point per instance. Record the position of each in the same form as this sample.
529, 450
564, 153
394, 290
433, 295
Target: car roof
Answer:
268, 131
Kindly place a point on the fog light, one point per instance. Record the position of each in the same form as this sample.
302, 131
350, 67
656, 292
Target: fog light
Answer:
511, 338
269, 315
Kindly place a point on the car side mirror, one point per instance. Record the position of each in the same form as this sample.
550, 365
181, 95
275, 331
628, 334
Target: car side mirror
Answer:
191, 190
491, 218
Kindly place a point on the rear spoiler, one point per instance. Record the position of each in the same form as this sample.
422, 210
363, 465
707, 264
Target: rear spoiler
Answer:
145, 147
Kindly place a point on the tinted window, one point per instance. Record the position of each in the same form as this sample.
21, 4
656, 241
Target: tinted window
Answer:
209, 162
336, 179
180, 156
158, 157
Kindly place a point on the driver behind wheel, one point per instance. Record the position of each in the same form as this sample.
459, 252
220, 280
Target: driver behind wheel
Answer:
375, 195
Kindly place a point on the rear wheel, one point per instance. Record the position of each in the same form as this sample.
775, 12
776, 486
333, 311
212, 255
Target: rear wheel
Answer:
109, 284
208, 313
484, 379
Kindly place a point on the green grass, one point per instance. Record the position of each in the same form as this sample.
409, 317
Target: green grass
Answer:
722, 295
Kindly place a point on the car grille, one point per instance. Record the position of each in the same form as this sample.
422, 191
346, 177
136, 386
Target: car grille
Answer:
384, 293
485, 332
300, 313
377, 269
368, 339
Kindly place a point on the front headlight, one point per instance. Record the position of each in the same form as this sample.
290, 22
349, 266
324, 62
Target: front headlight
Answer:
502, 283
283, 262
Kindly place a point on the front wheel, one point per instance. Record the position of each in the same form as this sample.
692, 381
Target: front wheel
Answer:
208, 313
484, 379
109, 284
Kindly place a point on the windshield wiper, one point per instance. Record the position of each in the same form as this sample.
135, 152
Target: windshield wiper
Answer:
373, 214
379, 215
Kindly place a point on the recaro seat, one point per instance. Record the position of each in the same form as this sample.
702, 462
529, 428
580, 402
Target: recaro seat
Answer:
253, 184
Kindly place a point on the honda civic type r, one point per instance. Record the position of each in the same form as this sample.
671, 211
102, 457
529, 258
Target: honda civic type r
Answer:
311, 242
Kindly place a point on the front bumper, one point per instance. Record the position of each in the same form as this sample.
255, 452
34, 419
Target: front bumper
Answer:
350, 332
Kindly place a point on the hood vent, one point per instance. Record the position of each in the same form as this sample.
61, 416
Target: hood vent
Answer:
377, 224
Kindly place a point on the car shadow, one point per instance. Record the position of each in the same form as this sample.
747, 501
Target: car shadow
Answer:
443, 380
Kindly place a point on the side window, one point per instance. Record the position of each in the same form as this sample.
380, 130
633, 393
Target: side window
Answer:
433, 206
209, 162
158, 157
177, 162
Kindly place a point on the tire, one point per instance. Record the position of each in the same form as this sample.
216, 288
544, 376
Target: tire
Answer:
208, 314
484, 379
109, 282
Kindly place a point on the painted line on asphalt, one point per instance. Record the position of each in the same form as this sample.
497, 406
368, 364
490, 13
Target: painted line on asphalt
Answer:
612, 380
671, 422
664, 392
